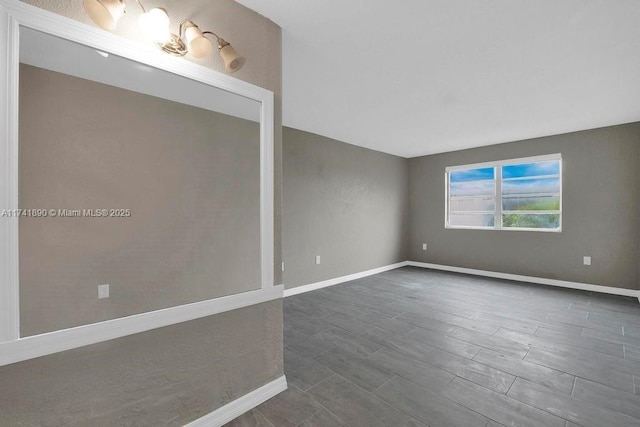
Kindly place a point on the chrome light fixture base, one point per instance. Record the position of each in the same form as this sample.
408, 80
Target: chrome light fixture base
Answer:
174, 46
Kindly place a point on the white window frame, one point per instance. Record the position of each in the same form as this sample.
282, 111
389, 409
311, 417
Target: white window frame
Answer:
496, 165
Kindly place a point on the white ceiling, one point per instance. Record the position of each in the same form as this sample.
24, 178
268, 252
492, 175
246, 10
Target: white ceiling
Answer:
414, 77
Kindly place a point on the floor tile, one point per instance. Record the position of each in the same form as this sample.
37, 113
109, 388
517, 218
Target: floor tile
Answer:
534, 341
347, 341
551, 378
414, 423
630, 366
486, 376
426, 406
356, 406
594, 344
417, 350
302, 371
632, 352
572, 363
444, 342
498, 407
323, 418
304, 343
311, 309
426, 322
349, 324
431, 311
384, 322
581, 412
289, 408
302, 322
357, 369
607, 397
420, 373
507, 322
492, 342
253, 418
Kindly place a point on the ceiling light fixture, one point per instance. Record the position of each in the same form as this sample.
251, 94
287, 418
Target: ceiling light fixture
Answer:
155, 23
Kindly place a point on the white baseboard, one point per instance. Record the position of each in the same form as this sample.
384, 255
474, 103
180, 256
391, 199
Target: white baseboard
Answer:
337, 280
66, 339
485, 273
530, 279
241, 405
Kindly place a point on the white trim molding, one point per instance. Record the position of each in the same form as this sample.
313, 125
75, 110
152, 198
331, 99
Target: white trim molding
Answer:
342, 279
66, 339
9, 304
234, 409
530, 279
498, 275
506, 162
14, 15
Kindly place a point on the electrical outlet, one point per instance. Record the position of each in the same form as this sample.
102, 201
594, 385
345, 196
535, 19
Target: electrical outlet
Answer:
103, 291
317, 259
586, 260
424, 246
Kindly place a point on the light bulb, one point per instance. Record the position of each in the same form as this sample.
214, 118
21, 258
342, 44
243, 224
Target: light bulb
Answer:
232, 60
105, 13
198, 45
154, 24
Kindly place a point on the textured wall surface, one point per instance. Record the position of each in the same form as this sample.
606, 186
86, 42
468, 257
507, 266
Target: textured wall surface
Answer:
251, 34
600, 204
165, 377
179, 379
345, 203
193, 190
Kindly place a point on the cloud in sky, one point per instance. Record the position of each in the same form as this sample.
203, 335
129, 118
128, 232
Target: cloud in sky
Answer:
473, 188
481, 181
472, 175
531, 169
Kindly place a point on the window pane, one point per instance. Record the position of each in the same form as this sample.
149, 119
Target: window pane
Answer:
531, 169
471, 220
472, 188
531, 186
467, 204
472, 175
531, 221
529, 194
524, 203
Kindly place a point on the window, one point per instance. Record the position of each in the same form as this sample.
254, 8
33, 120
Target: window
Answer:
519, 194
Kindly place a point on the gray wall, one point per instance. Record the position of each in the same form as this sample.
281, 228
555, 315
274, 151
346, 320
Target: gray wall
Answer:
165, 377
242, 349
601, 208
193, 190
252, 35
345, 203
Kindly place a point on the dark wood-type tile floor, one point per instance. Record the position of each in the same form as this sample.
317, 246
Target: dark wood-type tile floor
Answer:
417, 347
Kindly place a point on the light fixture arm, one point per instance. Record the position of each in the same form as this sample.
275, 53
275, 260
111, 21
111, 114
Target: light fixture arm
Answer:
221, 42
141, 6
212, 33
181, 27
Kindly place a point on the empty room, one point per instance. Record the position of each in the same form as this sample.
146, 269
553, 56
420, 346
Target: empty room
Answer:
295, 213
